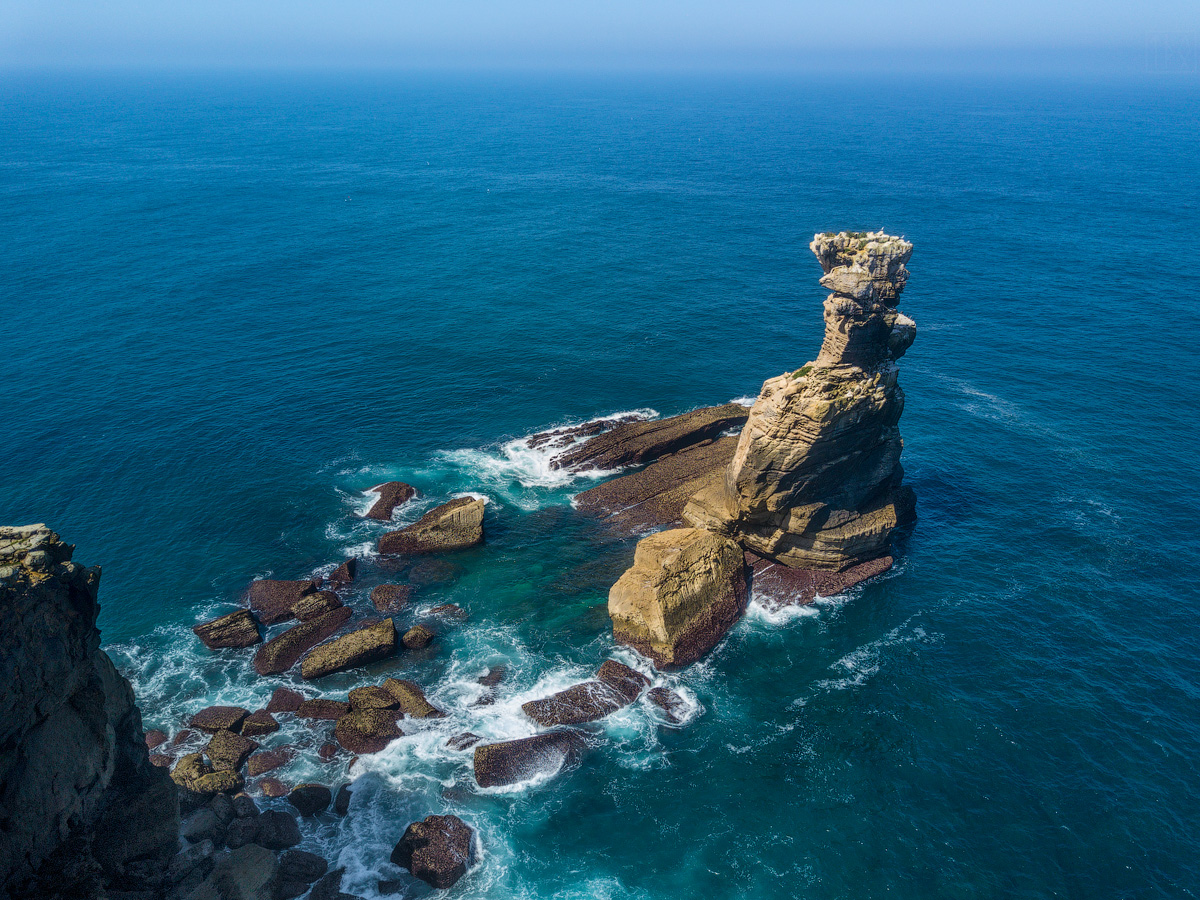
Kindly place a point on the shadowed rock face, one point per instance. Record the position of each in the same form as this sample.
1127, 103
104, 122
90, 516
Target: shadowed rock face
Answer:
815, 481
81, 807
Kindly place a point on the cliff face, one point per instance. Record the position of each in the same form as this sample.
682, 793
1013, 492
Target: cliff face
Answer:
815, 481
82, 810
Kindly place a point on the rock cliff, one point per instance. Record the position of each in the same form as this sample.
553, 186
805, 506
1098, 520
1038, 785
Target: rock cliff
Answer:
82, 810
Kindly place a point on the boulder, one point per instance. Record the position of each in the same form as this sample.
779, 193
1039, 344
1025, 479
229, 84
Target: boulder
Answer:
188, 769
372, 697
238, 629
391, 598
247, 873
685, 590
508, 762
580, 703
186, 736
328, 751
285, 700
437, 850
259, 723
277, 830
221, 782
463, 741
310, 799
162, 760
451, 526
282, 652
629, 683
228, 751
268, 760
219, 718
329, 887
312, 606
187, 860
321, 708
412, 699
273, 787
203, 826
272, 601
367, 730
300, 865
641, 442
417, 638
244, 806
155, 738
341, 800
344, 574
357, 648
391, 494
450, 611
241, 832
669, 702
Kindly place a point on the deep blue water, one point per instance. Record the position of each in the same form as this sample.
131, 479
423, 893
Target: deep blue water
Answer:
231, 304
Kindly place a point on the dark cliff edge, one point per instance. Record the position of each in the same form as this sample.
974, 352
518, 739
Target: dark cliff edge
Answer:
83, 813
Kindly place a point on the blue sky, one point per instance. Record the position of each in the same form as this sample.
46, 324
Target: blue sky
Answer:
618, 33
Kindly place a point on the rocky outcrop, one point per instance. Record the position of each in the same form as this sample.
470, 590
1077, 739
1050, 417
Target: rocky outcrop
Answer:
437, 850
367, 730
391, 494
509, 762
283, 651
685, 589
82, 810
777, 585
815, 481
363, 645
391, 598
411, 699
312, 606
641, 442
238, 629
451, 526
274, 601
615, 687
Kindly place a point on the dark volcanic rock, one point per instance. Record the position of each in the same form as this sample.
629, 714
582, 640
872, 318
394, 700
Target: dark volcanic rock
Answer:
244, 807
641, 442
329, 887
391, 598
277, 830
300, 865
372, 697
310, 799
310, 606
391, 494
463, 741
508, 762
580, 703
268, 760
341, 800
219, 718
669, 702
272, 601
357, 648
629, 683
281, 653
238, 629
228, 751
344, 574
451, 526
417, 637
285, 700
241, 832
412, 699
259, 723
436, 850
776, 586
367, 730
321, 708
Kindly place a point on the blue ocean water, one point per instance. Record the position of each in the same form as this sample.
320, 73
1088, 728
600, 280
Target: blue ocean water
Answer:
233, 303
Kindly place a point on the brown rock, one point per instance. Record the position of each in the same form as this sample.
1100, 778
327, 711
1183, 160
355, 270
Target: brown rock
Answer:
372, 697
412, 699
669, 702
155, 738
182, 737
328, 752
367, 730
310, 799
190, 768
494, 676
281, 653
436, 850
776, 585
463, 741
451, 611
272, 601
228, 751
311, 606
629, 683
391, 598
569, 435
322, 709
268, 760
417, 637
259, 723
391, 494
273, 787
580, 703
508, 762
238, 629
219, 718
344, 574
357, 648
451, 526
285, 700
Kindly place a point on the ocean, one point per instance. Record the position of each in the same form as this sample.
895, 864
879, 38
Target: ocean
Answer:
234, 302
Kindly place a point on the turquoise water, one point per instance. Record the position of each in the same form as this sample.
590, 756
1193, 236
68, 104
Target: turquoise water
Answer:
232, 304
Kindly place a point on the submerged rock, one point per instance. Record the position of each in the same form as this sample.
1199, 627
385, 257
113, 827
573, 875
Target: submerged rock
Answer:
685, 590
238, 629
463, 741
367, 730
451, 526
283, 651
273, 601
430, 572
364, 645
391, 598
437, 850
568, 435
493, 676
391, 494
508, 762
669, 702
412, 699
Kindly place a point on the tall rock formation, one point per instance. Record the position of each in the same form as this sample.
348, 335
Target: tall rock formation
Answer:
82, 810
815, 481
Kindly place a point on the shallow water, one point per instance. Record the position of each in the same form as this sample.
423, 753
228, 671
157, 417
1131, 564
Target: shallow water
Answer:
234, 304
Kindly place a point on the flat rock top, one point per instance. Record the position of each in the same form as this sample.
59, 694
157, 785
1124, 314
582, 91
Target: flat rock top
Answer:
640, 442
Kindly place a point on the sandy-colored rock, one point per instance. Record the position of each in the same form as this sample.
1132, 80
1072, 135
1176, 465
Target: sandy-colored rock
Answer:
259, 723
311, 606
684, 591
228, 751
238, 629
417, 637
389, 599
219, 718
451, 526
372, 697
412, 699
391, 494
283, 651
367, 730
357, 648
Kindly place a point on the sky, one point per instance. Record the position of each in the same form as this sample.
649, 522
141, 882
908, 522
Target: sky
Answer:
587, 33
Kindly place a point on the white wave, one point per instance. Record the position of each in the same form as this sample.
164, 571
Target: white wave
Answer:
744, 401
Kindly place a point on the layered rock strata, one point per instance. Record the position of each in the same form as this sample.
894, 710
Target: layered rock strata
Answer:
638, 442
82, 810
451, 526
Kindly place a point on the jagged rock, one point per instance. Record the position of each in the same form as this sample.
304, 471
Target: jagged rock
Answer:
155, 738
321, 708
372, 697
341, 800
222, 782
669, 702
357, 648
344, 574
244, 807
282, 652
508, 762
247, 873
285, 700
310, 799
273, 787
219, 718
417, 637
228, 751
300, 865
451, 526
311, 606
267, 761
412, 699
277, 830
629, 683
367, 730
815, 481
569, 435
776, 585
391, 494
238, 629
463, 741
273, 601
685, 590
391, 598
437, 850
642, 442
580, 703
259, 723
657, 494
